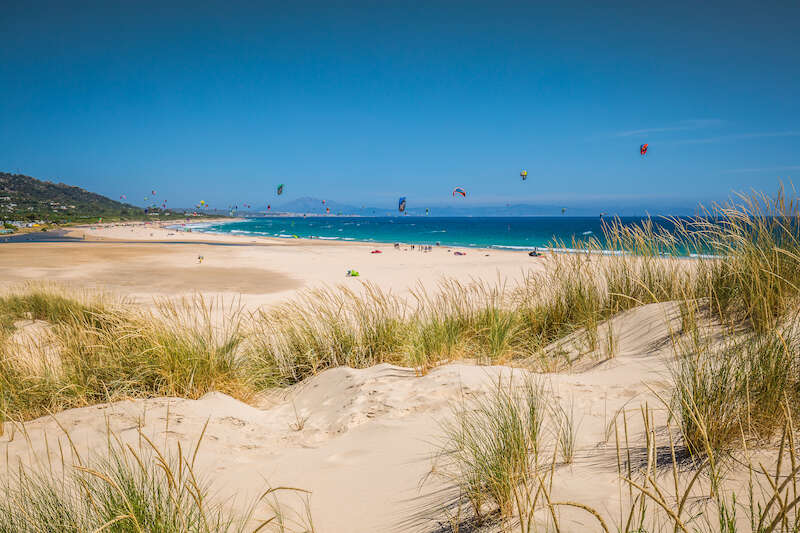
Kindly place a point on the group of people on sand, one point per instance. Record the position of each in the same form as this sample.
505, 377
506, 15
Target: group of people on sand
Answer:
419, 247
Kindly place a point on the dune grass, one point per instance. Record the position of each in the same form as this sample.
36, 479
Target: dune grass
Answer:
494, 451
759, 278
706, 496
184, 348
737, 387
503, 453
491, 323
736, 384
326, 328
49, 302
131, 489
176, 349
749, 279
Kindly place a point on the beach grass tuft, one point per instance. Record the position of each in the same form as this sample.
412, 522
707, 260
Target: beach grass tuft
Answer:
176, 349
131, 489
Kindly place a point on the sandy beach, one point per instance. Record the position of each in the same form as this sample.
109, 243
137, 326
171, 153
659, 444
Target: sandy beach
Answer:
368, 441
365, 443
399, 267
146, 260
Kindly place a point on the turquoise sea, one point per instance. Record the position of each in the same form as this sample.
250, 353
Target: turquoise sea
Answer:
522, 233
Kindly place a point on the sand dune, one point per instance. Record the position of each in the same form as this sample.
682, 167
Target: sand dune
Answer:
365, 443
362, 441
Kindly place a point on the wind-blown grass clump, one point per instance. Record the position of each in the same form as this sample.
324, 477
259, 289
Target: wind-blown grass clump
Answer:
703, 495
49, 302
177, 349
325, 328
496, 451
128, 489
648, 267
748, 281
737, 388
506, 473
757, 277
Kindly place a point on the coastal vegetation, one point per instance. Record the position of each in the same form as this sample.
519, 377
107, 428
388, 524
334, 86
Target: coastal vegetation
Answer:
190, 346
735, 379
24, 199
129, 490
504, 451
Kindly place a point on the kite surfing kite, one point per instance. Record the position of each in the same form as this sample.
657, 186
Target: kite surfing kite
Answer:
327, 209
401, 204
280, 189
523, 174
461, 191
563, 210
643, 149
152, 193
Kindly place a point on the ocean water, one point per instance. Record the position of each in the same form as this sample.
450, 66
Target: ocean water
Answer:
521, 233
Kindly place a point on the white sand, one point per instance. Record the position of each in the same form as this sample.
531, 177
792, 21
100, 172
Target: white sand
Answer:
264, 271
368, 436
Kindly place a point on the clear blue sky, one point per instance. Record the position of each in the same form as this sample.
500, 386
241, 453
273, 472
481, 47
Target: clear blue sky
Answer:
363, 102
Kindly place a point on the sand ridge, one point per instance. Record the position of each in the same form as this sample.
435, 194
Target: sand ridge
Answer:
362, 441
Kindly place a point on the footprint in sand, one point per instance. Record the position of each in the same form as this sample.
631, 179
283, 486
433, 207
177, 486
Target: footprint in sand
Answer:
233, 421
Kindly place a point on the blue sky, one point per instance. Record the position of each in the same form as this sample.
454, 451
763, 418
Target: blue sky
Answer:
364, 102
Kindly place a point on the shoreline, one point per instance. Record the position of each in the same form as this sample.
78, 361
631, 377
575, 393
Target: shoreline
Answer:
498, 247
97, 232
101, 233
147, 261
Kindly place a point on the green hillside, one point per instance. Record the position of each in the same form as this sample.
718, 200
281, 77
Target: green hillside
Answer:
26, 198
